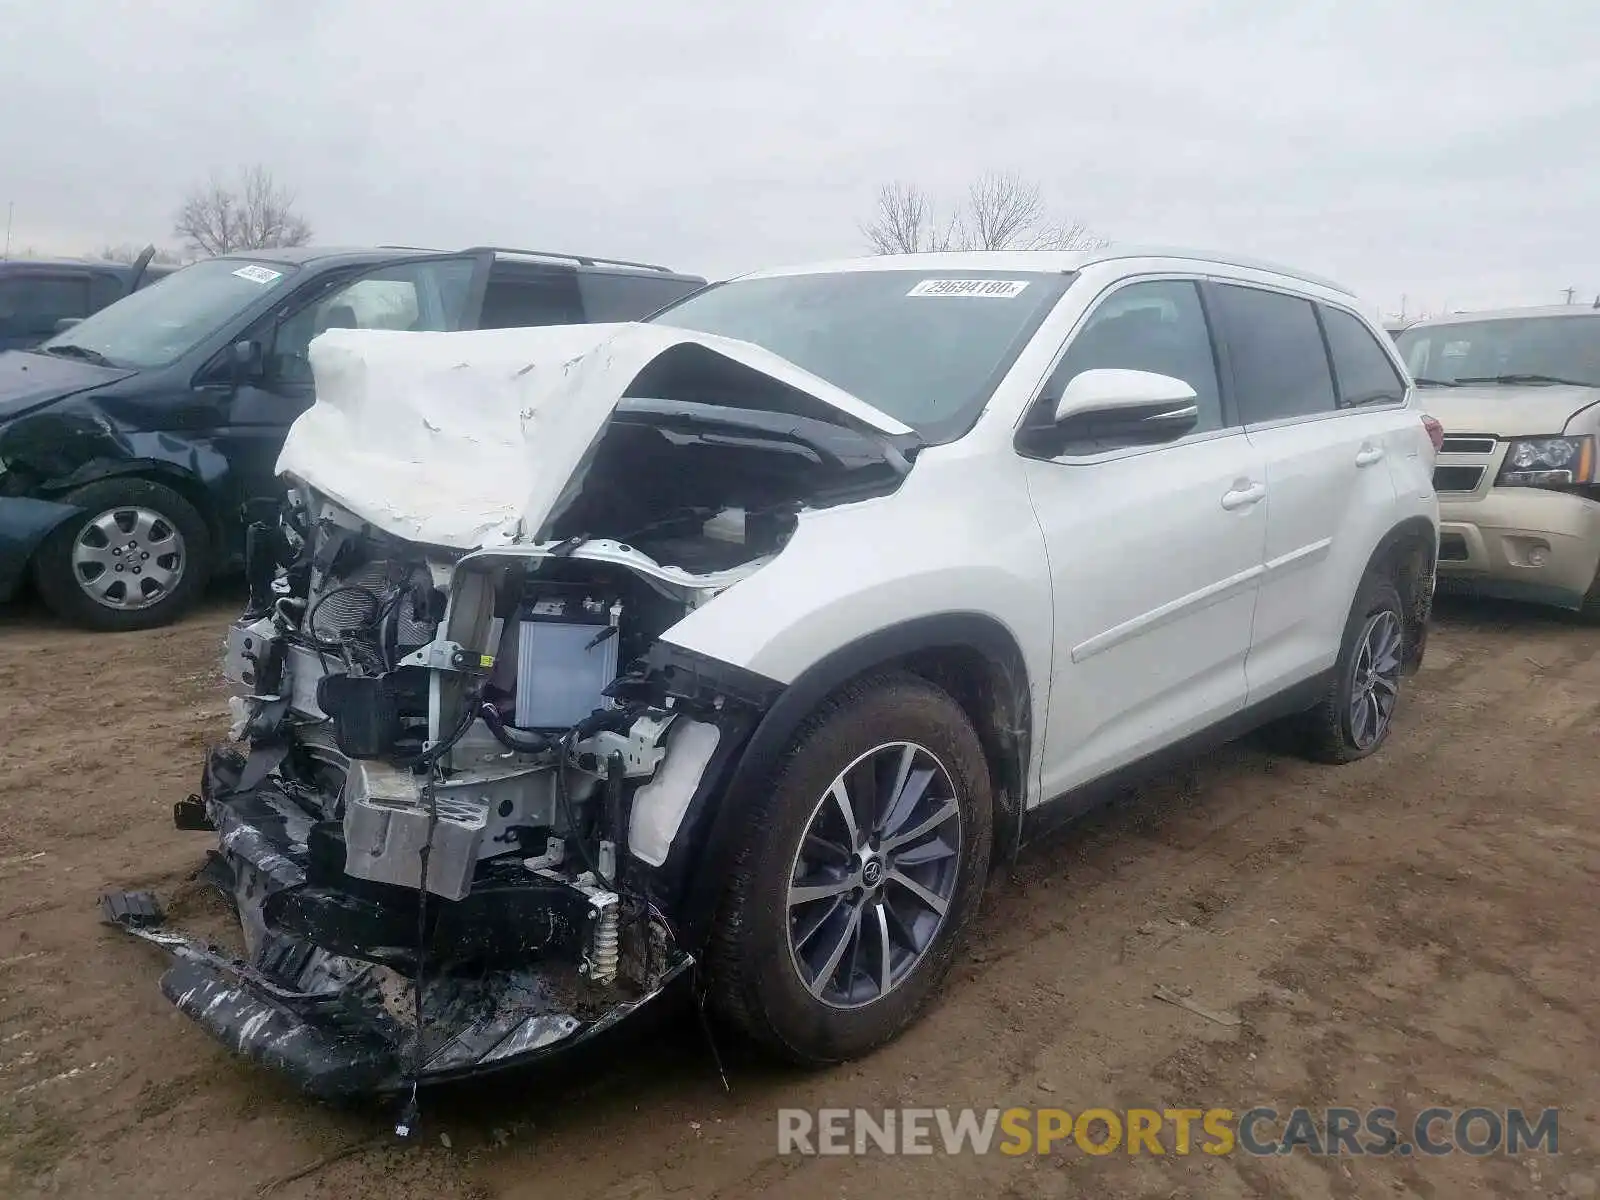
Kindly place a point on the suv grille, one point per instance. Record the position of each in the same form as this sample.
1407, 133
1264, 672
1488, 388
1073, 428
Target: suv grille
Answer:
1456, 479
1467, 445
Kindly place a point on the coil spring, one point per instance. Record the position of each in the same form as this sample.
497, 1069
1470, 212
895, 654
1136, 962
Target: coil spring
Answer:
606, 954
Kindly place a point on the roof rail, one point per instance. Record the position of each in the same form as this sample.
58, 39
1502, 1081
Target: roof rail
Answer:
583, 260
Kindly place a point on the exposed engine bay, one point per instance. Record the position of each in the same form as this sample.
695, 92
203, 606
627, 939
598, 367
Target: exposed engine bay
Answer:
474, 810
455, 774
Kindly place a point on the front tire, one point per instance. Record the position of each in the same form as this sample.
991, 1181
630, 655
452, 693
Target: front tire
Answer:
135, 557
857, 873
1355, 717
1589, 610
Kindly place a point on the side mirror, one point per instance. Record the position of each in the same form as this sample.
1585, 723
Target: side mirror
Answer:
67, 323
245, 359
1114, 407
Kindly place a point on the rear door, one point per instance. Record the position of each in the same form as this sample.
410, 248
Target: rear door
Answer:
1324, 439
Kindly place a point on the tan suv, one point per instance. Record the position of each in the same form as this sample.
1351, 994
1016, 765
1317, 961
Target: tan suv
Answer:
1518, 394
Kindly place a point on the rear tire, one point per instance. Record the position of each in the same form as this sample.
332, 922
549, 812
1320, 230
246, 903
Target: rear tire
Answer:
826, 979
1369, 669
162, 557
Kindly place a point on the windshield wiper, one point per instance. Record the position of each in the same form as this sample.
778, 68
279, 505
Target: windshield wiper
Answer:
73, 350
1527, 378
1421, 382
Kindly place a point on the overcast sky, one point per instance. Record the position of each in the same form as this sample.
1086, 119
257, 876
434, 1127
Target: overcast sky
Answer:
1440, 149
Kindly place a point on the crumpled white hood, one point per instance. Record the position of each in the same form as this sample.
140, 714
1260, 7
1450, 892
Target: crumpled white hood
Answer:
469, 439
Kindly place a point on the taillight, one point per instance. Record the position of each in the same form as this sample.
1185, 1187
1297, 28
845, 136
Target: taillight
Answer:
1435, 432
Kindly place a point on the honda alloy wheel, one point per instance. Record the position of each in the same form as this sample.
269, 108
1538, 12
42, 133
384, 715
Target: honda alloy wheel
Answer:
134, 558
128, 558
857, 871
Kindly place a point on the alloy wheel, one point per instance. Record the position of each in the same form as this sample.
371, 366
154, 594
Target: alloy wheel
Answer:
128, 558
875, 874
1375, 683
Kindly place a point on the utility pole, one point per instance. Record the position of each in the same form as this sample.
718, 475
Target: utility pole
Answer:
1571, 292
11, 211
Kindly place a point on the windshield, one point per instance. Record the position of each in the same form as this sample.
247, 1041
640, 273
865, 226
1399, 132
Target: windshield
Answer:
925, 347
1515, 350
161, 323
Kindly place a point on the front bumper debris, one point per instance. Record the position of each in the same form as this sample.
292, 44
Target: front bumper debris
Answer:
24, 523
343, 1026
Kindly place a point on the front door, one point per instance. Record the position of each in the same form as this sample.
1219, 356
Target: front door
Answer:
420, 294
1154, 552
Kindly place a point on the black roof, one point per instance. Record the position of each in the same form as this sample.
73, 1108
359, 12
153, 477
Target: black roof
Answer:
332, 255
81, 264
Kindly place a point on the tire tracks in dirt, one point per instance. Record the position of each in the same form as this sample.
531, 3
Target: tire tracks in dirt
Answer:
1399, 930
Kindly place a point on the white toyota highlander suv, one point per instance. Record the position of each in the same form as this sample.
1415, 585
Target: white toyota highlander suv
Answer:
749, 637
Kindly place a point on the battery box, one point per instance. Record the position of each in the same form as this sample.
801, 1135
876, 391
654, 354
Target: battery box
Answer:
567, 648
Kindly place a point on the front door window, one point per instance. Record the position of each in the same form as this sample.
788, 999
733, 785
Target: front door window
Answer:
429, 295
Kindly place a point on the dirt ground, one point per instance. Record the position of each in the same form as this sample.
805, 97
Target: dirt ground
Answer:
1415, 929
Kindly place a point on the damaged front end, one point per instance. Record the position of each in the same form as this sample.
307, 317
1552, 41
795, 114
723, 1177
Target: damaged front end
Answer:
427, 838
453, 816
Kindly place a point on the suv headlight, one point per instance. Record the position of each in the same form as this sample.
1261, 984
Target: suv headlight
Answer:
1547, 462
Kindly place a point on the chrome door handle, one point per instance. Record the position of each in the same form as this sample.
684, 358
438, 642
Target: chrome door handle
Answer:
1243, 497
1368, 455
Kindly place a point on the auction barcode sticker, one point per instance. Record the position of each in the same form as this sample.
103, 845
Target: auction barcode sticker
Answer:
258, 274
991, 289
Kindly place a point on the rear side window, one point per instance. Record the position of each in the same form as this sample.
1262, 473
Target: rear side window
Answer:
614, 297
519, 295
1156, 326
30, 305
104, 289
1280, 366
1365, 374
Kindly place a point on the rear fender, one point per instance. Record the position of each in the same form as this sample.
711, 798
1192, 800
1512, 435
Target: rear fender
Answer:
1409, 554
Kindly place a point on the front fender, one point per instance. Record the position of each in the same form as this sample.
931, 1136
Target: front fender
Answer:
959, 536
86, 438
68, 445
954, 560
24, 523
758, 731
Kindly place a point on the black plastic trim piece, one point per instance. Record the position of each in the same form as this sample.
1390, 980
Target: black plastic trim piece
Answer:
699, 679
327, 1063
1067, 807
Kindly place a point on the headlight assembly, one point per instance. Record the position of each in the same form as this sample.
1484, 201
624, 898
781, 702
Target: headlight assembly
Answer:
1547, 462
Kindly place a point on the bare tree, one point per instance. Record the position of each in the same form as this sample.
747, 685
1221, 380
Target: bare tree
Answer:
127, 252
255, 213
1002, 211
905, 222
